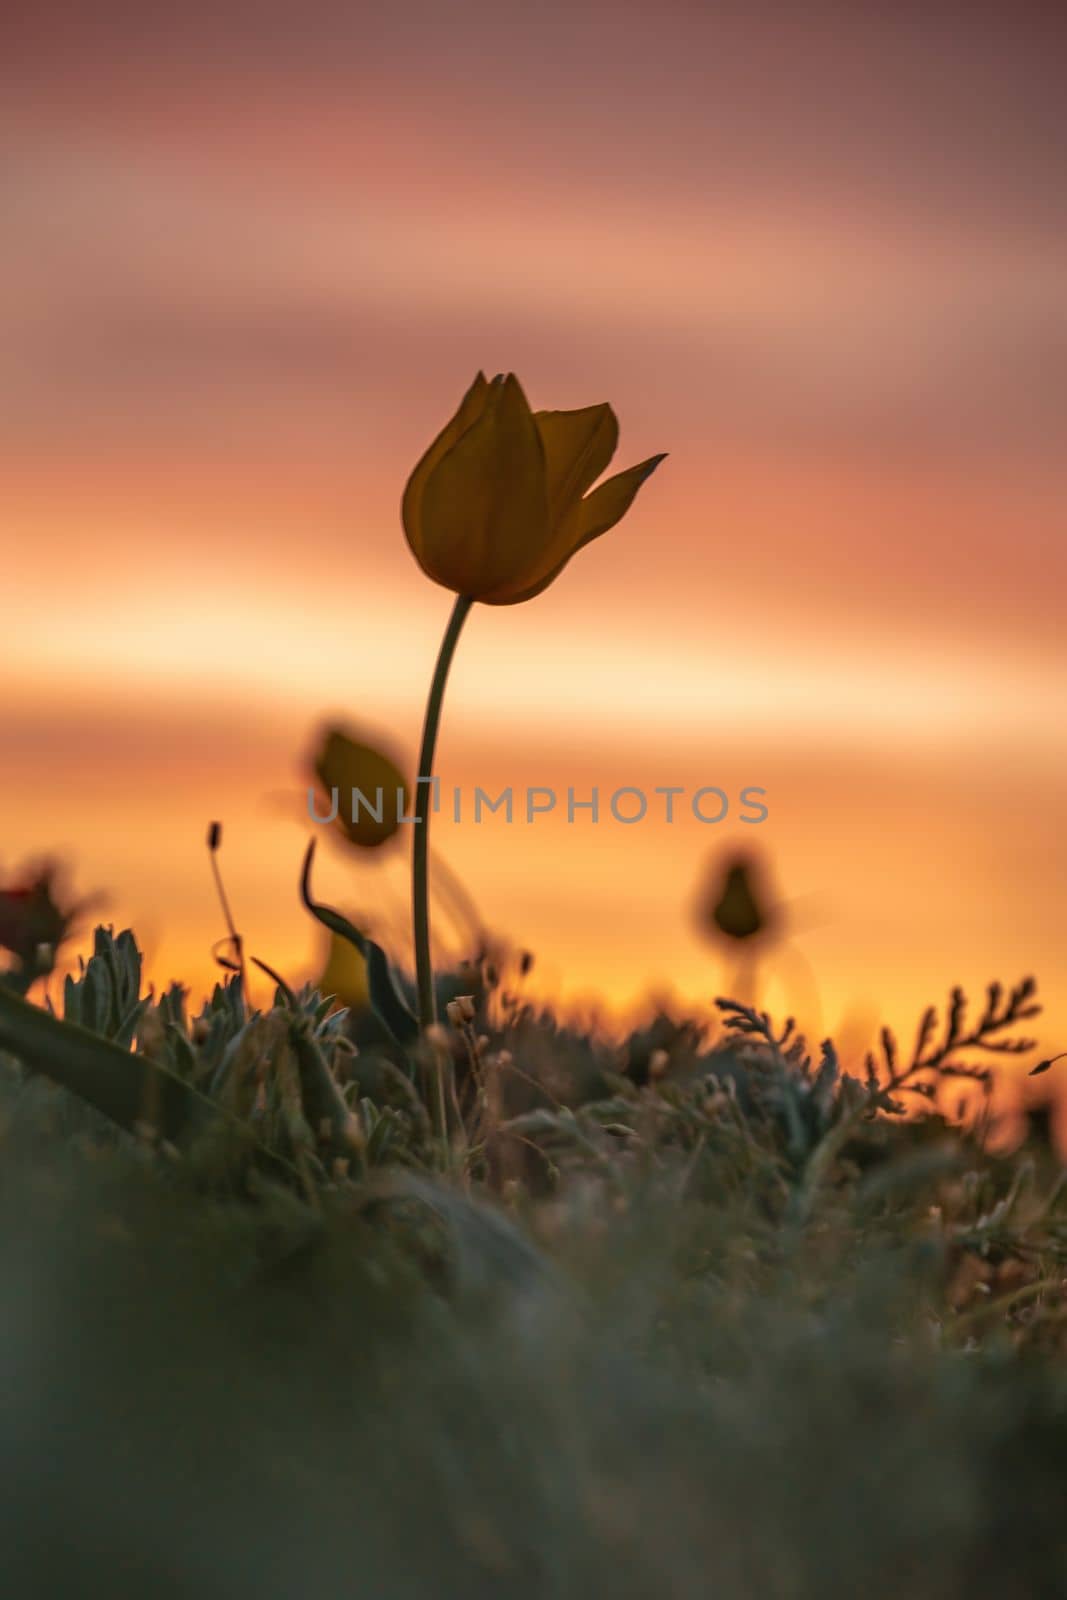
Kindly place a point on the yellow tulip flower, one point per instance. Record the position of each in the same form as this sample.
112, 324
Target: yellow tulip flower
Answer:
494, 511
499, 502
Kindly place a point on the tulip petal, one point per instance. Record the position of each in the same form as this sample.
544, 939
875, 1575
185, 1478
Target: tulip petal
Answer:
470, 408
586, 521
345, 975
484, 509
578, 446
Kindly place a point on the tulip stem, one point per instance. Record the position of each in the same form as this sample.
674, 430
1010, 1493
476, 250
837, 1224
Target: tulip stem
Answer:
420, 853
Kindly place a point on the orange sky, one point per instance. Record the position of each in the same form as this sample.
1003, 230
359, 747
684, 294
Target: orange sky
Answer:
251, 258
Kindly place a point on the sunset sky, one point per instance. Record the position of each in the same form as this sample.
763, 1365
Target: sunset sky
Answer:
253, 254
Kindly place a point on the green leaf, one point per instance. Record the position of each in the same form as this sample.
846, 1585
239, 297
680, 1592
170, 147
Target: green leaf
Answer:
129, 1089
321, 1093
386, 1000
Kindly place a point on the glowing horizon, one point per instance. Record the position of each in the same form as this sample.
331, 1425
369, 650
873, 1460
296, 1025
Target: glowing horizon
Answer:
821, 265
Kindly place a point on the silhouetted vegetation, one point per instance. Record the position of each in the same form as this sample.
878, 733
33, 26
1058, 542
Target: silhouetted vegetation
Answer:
512, 1309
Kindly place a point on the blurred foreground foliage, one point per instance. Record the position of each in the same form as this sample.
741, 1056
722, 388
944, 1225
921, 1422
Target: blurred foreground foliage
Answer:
294, 1309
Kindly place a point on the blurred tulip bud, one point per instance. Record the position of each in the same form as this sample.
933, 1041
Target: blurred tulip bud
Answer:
366, 784
735, 905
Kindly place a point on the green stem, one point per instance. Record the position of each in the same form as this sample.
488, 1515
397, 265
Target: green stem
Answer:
420, 853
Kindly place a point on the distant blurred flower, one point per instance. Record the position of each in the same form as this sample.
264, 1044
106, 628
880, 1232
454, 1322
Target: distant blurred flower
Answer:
495, 509
349, 767
735, 905
33, 926
739, 911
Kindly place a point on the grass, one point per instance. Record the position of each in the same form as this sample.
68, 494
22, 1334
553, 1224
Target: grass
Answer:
516, 1312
